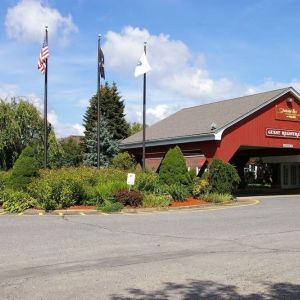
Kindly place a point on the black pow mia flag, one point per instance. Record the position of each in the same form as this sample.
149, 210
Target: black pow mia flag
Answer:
101, 64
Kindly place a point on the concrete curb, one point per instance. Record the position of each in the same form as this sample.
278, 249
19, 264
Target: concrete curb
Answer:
63, 212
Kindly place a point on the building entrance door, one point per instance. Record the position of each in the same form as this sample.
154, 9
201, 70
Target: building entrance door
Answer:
290, 175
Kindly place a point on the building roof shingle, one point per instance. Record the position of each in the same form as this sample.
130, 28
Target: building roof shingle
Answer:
197, 120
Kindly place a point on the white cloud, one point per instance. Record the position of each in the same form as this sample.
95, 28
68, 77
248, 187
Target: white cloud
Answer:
8, 91
79, 129
36, 101
63, 129
26, 21
269, 84
53, 118
174, 67
159, 112
179, 77
153, 113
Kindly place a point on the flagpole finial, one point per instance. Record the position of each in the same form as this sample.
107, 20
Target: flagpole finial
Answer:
99, 36
46, 27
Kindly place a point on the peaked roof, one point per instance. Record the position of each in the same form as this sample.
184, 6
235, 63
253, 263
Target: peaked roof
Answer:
196, 122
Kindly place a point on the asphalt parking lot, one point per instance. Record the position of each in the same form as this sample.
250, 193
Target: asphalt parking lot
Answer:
250, 252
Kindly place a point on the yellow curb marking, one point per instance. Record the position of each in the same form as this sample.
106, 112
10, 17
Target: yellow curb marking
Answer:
20, 214
82, 213
255, 202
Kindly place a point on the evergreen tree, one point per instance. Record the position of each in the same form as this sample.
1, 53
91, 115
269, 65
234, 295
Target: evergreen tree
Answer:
173, 168
223, 177
25, 168
135, 127
108, 146
55, 150
72, 152
111, 109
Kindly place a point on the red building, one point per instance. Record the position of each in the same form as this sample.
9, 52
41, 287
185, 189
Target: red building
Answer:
265, 125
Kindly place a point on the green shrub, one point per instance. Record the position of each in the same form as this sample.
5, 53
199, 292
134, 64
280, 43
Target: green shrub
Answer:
68, 186
4, 178
223, 177
16, 201
138, 168
192, 174
126, 197
108, 189
152, 200
161, 189
217, 198
123, 161
173, 168
178, 192
200, 187
57, 189
110, 206
146, 181
91, 195
25, 168
72, 152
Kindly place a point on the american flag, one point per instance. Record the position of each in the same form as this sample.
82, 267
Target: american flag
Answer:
43, 57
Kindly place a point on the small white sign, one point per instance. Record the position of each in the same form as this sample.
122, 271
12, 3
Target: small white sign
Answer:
130, 178
288, 146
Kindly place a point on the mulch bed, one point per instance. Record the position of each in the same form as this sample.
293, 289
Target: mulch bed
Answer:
83, 207
188, 202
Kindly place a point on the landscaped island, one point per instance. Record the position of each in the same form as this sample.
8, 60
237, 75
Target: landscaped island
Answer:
28, 186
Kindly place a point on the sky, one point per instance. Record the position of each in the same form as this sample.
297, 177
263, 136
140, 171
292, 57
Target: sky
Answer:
200, 52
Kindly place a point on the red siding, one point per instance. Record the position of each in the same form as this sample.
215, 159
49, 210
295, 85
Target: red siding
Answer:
248, 132
252, 130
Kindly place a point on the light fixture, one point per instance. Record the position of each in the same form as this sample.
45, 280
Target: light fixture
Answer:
289, 100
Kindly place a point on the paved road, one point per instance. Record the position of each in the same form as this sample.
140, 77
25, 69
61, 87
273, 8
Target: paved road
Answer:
237, 253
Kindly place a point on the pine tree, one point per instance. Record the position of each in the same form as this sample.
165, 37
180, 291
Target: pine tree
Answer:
173, 168
111, 109
25, 168
108, 146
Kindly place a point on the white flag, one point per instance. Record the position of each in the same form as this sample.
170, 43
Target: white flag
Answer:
142, 66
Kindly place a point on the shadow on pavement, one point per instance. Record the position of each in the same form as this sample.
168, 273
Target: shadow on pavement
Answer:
196, 289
